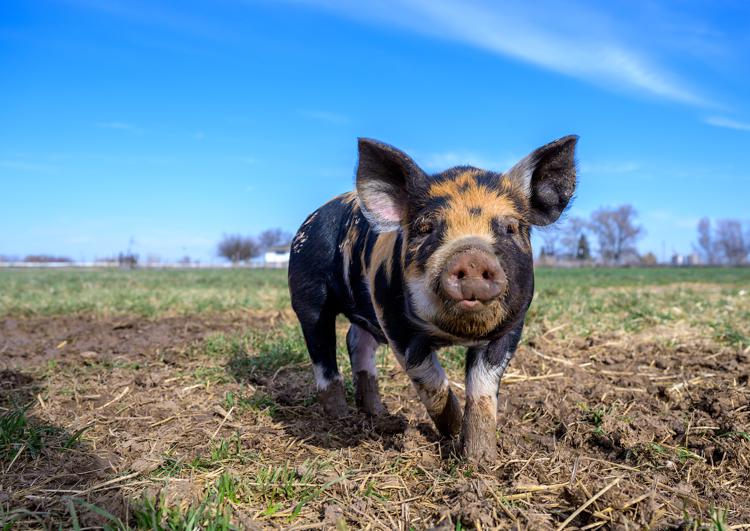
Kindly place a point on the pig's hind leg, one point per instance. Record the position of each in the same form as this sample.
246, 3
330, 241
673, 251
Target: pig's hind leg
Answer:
362, 346
317, 316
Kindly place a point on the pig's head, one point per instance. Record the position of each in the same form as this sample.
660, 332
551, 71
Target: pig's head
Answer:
466, 249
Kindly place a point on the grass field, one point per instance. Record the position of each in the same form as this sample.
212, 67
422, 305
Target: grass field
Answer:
183, 400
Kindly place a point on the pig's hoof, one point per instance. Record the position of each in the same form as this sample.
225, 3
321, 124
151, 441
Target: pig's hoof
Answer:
448, 421
333, 400
367, 394
372, 405
480, 452
478, 433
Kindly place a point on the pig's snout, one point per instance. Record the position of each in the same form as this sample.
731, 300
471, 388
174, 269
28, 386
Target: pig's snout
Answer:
473, 276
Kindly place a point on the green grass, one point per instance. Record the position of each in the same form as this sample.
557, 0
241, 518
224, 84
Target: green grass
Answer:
213, 513
594, 416
581, 303
152, 293
18, 433
286, 488
548, 278
261, 350
584, 302
273, 488
147, 293
258, 401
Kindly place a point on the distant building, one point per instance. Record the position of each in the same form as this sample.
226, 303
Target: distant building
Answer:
686, 259
277, 256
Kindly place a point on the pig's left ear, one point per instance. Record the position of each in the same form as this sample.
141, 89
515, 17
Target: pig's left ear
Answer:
548, 175
386, 177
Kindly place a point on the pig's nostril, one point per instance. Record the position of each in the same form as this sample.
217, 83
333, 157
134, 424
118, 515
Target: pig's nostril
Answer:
472, 276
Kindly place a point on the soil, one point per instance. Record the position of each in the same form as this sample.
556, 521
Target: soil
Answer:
648, 430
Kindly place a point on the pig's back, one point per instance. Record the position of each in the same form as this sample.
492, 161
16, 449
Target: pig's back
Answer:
327, 258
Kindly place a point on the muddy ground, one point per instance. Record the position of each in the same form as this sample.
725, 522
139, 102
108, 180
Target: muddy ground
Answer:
622, 431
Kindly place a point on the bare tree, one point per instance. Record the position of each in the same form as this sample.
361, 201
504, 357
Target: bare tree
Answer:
550, 236
572, 230
238, 248
705, 245
730, 242
583, 251
128, 260
649, 259
272, 237
617, 232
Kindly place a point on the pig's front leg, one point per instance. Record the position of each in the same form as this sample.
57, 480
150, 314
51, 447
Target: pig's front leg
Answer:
431, 383
484, 369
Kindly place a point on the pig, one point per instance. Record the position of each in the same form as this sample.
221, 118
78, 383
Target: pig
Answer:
421, 262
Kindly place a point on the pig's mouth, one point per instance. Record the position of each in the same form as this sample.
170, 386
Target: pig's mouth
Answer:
464, 290
467, 318
469, 305
470, 318
463, 310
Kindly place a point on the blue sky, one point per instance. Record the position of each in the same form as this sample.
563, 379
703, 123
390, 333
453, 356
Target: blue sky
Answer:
172, 123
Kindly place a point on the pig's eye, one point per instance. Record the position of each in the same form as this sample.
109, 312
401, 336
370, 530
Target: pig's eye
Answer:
425, 227
511, 228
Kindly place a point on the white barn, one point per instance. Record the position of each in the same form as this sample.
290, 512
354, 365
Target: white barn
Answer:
277, 256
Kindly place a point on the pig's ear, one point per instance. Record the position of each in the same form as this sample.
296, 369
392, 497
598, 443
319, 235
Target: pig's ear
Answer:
385, 179
548, 176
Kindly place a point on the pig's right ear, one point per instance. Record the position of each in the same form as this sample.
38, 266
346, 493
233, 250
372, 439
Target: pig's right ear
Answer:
386, 177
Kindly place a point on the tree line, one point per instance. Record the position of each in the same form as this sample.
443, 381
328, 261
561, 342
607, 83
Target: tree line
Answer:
237, 248
724, 242
615, 230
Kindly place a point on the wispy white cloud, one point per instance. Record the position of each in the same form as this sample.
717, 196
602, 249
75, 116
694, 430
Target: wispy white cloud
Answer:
727, 123
121, 126
574, 40
325, 116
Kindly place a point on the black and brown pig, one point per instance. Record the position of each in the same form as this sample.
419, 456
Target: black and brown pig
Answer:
422, 262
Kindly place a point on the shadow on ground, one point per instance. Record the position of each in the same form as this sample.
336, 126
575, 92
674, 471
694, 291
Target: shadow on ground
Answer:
295, 406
